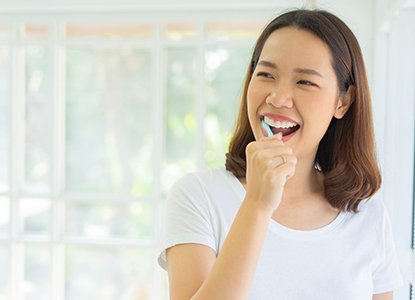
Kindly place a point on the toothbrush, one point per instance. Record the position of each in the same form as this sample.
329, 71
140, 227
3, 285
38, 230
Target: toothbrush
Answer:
269, 133
267, 129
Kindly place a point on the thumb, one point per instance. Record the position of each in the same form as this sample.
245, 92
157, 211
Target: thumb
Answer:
279, 136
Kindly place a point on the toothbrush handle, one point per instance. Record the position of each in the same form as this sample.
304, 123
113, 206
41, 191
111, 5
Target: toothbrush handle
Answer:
267, 129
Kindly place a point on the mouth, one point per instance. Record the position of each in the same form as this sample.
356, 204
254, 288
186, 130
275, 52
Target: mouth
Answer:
287, 128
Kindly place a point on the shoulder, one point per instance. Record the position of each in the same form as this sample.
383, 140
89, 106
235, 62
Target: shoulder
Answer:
202, 180
372, 211
373, 205
214, 189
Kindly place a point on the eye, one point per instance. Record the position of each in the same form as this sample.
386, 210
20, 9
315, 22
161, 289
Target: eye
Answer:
264, 74
306, 82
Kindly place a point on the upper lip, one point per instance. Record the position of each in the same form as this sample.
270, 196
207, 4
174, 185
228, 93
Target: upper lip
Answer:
279, 118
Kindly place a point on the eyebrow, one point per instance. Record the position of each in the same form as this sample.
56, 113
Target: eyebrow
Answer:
296, 70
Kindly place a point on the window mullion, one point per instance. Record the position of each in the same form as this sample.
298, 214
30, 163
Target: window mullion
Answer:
159, 142
58, 257
16, 167
201, 96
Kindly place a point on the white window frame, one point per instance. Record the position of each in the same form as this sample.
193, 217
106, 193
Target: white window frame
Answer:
57, 241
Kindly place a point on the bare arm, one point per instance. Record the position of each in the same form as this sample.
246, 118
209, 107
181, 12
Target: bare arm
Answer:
383, 296
188, 266
195, 273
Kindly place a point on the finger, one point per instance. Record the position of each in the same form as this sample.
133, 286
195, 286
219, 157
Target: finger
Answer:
274, 152
269, 153
278, 161
284, 172
277, 136
270, 142
265, 143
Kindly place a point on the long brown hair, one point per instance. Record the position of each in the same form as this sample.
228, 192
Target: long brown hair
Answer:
346, 154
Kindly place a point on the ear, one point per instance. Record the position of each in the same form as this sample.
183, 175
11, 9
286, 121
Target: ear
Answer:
343, 103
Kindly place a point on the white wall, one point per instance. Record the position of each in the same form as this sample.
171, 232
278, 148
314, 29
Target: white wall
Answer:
394, 90
359, 16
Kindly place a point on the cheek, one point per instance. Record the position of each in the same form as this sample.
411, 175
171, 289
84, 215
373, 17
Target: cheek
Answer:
255, 95
317, 117
253, 100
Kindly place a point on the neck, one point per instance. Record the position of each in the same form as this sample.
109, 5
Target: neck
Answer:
306, 180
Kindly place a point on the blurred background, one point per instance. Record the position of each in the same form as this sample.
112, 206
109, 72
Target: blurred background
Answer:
103, 105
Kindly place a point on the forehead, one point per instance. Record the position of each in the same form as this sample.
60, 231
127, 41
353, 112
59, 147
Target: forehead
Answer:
292, 47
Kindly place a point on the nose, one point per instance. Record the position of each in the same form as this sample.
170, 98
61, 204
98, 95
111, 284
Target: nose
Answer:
280, 96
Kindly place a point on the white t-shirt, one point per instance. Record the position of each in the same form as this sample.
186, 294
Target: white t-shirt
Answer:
351, 258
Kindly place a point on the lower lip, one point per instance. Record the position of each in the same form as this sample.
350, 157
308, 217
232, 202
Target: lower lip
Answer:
288, 137
284, 137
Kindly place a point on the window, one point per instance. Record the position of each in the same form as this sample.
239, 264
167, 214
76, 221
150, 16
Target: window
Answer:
97, 120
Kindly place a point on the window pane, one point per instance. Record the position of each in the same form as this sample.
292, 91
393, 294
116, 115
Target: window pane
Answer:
113, 31
225, 71
108, 273
103, 220
4, 276
164, 283
108, 123
4, 32
35, 216
226, 30
35, 31
38, 119
4, 118
180, 31
181, 81
4, 215
36, 272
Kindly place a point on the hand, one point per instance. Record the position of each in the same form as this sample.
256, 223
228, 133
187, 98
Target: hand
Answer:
266, 172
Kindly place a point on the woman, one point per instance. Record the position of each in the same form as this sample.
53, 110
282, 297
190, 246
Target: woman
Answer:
292, 216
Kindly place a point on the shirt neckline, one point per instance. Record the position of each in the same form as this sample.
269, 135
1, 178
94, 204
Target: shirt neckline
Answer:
288, 232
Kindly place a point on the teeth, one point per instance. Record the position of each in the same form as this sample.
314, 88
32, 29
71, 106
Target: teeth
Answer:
279, 124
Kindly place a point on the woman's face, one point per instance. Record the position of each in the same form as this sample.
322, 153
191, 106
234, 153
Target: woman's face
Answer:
294, 79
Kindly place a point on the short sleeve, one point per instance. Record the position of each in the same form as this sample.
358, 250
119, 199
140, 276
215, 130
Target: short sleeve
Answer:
387, 276
187, 217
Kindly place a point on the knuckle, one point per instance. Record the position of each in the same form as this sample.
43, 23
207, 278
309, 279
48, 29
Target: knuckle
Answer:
290, 164
288, 150
249, 148
269, 164
261, 156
